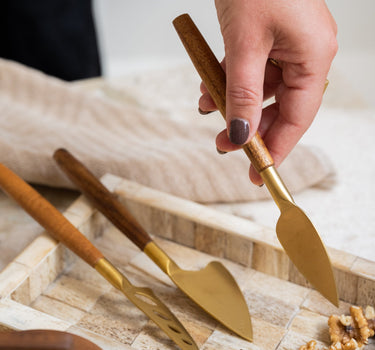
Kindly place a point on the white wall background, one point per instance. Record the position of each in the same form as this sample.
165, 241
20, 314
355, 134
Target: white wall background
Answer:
139, 35
136, 34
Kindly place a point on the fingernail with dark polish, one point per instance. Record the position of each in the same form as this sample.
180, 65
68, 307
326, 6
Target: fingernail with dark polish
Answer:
204, 112
220, 152
239, 131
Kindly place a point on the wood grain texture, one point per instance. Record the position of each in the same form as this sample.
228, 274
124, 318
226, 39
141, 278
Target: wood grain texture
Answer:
101, 197
47, 216
214, 78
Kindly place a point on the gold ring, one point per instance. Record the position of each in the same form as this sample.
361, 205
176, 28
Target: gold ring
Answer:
276, 63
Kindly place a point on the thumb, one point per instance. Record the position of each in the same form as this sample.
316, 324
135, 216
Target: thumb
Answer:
245, 69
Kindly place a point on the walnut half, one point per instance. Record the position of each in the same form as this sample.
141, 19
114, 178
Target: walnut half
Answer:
349, 332
345, 329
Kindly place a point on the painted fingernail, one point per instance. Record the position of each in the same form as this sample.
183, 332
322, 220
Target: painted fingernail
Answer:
239, 131
220, 151
204, 112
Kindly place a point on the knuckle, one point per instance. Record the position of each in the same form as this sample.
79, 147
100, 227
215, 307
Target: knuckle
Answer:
244, 97
324, 49
329, 43
333, 46
335, 30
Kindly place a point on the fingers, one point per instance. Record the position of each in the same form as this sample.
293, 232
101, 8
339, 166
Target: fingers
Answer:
272, 79
243, 103
303, 38
206, 104
269, 114
297, 109
244, 94
223, 143
284, 122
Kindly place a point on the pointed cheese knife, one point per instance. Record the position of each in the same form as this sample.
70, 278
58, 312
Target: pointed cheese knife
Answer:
213, 288
62, 230
294, 230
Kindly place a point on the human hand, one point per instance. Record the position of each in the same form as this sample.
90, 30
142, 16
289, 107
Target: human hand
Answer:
301, 35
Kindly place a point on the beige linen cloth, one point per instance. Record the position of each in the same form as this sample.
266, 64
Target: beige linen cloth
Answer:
173, 152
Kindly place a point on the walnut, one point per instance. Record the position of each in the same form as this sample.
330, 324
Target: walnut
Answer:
339, 332
335, 346
361, 324
309, 346
349, 332
370, 316
351, 345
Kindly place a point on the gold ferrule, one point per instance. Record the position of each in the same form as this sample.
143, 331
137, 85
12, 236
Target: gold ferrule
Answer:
276, 186
160, 258
111, 274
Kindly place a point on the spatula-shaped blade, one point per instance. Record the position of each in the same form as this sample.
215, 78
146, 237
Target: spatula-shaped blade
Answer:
213, 297
306, 250
213, 288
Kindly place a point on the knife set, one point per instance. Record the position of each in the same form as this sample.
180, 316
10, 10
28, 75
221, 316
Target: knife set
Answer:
213, 288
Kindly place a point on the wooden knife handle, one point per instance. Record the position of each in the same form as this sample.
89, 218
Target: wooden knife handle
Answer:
35, 340
102, 198
213, 76
46, 339
48, 216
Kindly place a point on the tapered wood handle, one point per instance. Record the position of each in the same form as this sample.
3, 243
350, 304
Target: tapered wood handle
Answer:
105, 201
213, 76
40, 339
48, 216
35, 340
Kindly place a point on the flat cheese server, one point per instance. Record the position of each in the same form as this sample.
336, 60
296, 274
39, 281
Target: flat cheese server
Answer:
213, 288
294, 230
62, 230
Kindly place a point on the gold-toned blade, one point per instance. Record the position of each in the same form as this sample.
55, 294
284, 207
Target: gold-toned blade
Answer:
213, 288
148, 303
224, 300
300, 239
306, 250
214, 78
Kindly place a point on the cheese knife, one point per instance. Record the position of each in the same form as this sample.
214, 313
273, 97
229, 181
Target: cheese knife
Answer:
295, 231
62, 230
213, 288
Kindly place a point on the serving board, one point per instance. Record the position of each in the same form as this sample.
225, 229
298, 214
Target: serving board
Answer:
48, 287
